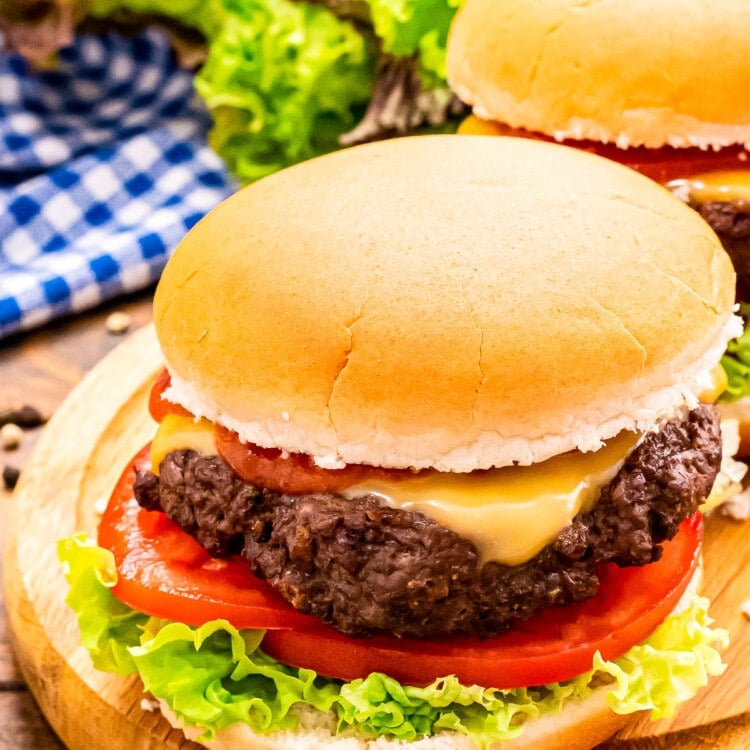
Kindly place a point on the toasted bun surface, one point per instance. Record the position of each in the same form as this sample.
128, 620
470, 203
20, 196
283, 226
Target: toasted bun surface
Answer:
634, 72
457, 302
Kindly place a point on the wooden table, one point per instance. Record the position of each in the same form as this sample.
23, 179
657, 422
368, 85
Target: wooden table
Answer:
40, 369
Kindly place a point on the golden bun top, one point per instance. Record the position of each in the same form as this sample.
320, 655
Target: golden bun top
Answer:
450, 301
631, 72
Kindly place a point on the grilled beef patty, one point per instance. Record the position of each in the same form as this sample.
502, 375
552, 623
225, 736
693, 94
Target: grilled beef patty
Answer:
731, 222
364, 567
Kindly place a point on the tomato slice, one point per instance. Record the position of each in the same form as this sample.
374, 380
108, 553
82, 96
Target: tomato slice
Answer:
165, 573
159, 407
660, 164
293, 473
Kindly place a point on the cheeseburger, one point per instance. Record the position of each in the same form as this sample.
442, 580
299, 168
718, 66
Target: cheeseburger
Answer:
661, 87
432, 450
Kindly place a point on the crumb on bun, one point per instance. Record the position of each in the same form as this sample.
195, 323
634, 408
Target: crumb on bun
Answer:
601, 304
634, 72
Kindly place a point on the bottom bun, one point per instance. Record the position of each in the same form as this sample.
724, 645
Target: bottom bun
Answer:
581, 726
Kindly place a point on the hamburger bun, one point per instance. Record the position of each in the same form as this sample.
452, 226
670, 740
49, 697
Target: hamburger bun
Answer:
660, 87
632, 73
375, 341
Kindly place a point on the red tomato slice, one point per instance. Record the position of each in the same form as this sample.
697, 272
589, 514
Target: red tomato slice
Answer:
159, 407
165, 573
293, 473
660, 164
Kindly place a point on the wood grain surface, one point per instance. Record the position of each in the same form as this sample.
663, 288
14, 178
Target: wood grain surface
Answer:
77, 461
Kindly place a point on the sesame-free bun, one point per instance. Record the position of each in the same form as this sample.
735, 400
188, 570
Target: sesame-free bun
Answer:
633, 72
450, 301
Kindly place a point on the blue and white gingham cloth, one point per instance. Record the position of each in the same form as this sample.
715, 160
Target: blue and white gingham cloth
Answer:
104, 166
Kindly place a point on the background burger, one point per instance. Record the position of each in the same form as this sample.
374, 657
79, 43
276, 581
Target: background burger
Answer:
660, 87
430, 457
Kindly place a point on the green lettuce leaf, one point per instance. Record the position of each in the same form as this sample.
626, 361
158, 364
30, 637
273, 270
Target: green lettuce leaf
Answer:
408, 27
283, 80
214, 676
736, 362
110, 628
669, 667
223, 678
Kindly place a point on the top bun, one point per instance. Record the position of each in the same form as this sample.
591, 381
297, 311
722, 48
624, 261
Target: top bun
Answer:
451, 301
631, 72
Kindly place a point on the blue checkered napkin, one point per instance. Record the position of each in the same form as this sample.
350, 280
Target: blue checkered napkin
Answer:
103, 167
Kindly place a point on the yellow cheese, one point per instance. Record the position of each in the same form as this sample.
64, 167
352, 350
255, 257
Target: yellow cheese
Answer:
473, 125
728, 185
180, 433
510, 513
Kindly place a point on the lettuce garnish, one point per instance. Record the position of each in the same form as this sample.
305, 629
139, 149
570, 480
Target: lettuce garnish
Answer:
283, 80
409, 27
736, 362
214, 675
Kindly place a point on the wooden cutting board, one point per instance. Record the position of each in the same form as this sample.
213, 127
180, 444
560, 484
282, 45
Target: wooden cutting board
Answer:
76, 463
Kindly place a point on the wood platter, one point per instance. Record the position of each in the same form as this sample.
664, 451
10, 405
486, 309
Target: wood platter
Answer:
77, 461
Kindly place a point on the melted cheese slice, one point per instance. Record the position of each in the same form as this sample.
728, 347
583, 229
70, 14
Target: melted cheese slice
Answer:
729, 185
510, 514
181, 433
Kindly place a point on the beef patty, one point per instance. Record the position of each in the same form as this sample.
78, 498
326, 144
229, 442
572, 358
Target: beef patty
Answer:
731, 222
364, 567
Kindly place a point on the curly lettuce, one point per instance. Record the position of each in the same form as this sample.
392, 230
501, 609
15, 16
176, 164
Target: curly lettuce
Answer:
214, 676
409, 27
736, 362
283, 80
